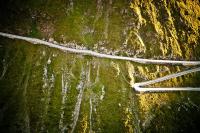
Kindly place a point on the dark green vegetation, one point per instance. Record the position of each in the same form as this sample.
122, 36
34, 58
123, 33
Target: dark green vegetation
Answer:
46, 90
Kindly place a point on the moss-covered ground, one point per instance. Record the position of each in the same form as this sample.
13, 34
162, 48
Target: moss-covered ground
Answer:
47, 90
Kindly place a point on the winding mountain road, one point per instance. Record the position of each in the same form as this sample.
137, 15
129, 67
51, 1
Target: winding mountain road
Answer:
100, 55
137, 86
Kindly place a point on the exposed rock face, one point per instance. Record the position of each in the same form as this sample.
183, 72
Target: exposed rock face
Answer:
147, 28
168, 27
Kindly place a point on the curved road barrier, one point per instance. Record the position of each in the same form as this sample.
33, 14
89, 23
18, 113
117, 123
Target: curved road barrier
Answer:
92, 53
138, 86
